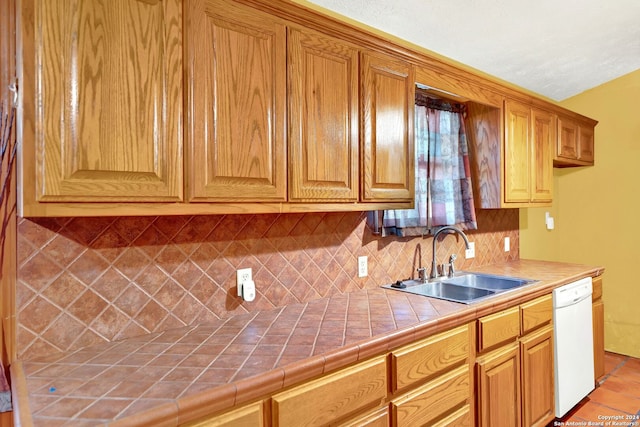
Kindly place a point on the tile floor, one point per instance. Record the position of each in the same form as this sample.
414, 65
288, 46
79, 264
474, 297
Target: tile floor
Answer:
617, 397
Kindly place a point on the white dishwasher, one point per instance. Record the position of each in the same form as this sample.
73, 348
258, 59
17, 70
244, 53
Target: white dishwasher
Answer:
573, 344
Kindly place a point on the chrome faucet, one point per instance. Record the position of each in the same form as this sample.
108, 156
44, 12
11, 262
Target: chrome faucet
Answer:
451, 229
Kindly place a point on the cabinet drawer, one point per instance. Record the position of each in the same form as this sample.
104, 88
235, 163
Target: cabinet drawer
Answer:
498, 328
247, 416
536, 313
378, 418
460, 418
333, 396
426, 358
432, 400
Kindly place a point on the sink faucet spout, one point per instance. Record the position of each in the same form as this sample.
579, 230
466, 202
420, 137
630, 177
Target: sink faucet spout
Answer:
448, 229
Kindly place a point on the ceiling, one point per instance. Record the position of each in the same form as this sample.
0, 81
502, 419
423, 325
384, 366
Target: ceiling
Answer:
556, 48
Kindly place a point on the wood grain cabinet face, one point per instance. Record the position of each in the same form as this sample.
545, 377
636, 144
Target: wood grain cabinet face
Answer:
598, 328
102, 100
575, 143
538, 404
333, 396
528, 155
247, 416
388, 90
236, 103
498, 387
323, 118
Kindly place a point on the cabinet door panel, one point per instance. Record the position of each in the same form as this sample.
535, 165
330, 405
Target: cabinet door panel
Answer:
498, 384
542, 153
236, 105
585, 143
517, 165
323, 114
567, 139
388, 89
538, 404
107, 81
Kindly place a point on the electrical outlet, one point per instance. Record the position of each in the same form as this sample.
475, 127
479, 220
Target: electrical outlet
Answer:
242, 275
471, 252
507, 244
363, 269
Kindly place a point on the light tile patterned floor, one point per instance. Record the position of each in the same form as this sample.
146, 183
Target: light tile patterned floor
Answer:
616, 400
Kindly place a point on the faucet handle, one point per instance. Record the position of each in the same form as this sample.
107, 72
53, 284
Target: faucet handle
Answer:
452, 270
422, 274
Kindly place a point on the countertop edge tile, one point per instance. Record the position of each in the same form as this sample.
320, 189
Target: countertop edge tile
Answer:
259, 385
303, 369
21, 409
165, 415
199, 405
339, 358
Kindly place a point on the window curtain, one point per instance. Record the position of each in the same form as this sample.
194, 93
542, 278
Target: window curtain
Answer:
443, 190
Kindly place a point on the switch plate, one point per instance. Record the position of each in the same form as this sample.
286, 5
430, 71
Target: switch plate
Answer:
243, 275
507, 244
471, 252
363, 268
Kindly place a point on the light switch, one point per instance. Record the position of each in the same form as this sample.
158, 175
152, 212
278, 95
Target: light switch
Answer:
507, 244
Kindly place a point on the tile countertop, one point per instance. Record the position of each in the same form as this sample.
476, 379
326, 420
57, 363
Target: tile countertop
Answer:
177, 376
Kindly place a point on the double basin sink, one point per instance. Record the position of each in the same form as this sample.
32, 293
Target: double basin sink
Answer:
464, 287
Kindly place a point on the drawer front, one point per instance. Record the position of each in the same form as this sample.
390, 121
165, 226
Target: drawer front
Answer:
379, 418
331, 397
498, 328
536, 313
460, 418
247, 416
431, 401
429, 357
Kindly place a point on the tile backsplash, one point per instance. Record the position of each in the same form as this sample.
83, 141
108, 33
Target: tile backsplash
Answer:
84, 281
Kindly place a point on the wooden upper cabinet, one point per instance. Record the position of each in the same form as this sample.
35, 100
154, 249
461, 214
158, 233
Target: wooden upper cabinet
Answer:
575, 145
542, 145
388, 90
528, 155
517, 152
323, 118
101, 101
236, 92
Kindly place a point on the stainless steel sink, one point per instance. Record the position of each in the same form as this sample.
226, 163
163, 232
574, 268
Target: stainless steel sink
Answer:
487, 281
464, 287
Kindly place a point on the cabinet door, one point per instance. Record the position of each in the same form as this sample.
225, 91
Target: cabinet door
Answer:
323, 114
537, 378
585, 144
598, 339
542, 152
102, 109
567, 139
388, 91
517, 164
498, 388
236, 103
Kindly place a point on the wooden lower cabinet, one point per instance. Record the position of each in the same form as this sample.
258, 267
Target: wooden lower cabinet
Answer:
536, 358
498, 387
515, 382
598, 328
377, 418
247, 416
429, 402
333, 396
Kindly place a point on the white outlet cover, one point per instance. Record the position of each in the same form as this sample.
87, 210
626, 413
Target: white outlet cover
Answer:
471, 252
507, 244
363, 268
243, 275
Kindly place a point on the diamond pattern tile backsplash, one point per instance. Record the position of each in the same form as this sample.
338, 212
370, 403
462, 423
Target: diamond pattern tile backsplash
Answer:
84, 281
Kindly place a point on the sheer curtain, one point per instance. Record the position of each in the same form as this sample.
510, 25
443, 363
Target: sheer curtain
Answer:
443, 190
